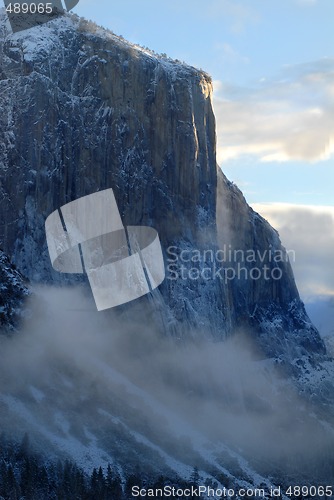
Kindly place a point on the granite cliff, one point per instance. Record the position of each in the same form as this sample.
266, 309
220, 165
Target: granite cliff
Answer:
82, 111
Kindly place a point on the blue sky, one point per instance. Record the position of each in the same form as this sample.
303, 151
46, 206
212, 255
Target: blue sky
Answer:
264, 35
272, 64
260, 52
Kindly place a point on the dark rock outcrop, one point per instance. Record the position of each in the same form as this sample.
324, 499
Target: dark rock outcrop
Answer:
13, 292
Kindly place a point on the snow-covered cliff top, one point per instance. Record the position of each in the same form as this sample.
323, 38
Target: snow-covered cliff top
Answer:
43, 39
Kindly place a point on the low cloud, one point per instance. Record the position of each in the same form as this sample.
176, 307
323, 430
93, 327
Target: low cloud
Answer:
309, 232
229, 54
73, 376
291, 118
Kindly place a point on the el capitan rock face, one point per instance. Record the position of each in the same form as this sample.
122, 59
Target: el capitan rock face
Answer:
82, 111
91, 112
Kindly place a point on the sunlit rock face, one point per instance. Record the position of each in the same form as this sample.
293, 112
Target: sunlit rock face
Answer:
83, 111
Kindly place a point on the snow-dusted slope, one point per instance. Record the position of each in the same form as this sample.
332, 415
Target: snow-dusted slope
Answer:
102, 390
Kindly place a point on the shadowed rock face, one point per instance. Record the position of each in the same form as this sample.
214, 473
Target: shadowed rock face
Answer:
82, 111
90, 112
13, 291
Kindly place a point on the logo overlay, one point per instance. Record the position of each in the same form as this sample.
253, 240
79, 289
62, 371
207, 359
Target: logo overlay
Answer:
27, 14
87, 235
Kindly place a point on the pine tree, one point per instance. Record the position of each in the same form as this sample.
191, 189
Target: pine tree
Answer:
13, 490
27, 480
100, 483
194, 478
113, 485
94, 482
133, 480
24, 448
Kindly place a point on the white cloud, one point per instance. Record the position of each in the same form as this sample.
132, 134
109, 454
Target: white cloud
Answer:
288, 119
321, 312
229, 54
309, 232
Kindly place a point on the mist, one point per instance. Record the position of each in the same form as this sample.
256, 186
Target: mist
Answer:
72, 377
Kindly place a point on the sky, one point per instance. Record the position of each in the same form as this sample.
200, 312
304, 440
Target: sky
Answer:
272, 64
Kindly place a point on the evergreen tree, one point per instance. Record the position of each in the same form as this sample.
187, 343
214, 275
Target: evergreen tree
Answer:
27, 479
133, 480
24, 448
194, 478
12, 488
113, 485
